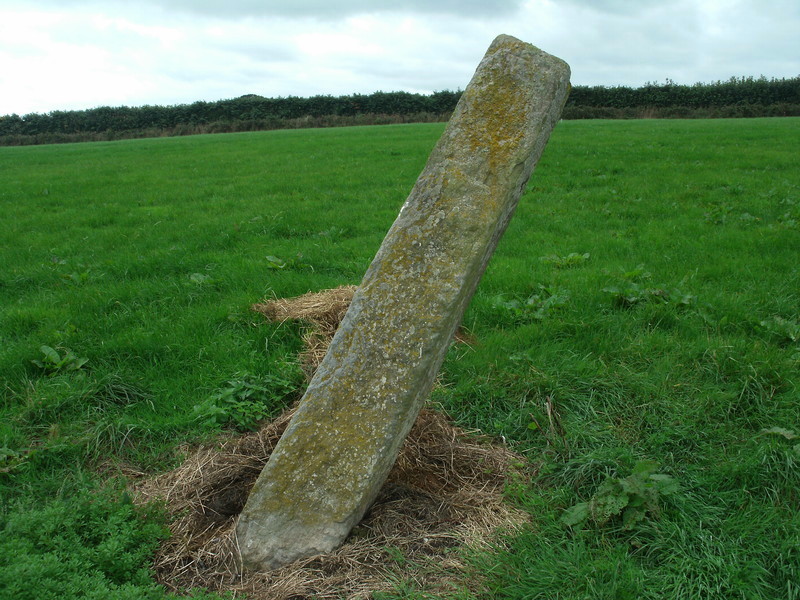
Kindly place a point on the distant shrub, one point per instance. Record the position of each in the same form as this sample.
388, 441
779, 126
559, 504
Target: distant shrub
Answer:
736, 97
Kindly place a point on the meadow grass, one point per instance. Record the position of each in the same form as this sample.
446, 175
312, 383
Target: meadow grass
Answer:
642, 309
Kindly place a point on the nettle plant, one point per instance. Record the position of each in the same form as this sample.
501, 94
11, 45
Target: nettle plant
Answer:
246, 400
628, 499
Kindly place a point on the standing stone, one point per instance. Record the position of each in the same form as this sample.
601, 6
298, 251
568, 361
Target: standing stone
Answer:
345, 436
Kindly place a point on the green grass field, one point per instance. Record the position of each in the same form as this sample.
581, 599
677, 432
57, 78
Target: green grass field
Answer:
638, 341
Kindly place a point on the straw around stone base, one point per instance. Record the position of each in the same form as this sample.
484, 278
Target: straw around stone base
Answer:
445, 493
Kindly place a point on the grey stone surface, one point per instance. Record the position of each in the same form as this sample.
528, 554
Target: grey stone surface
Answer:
344, 438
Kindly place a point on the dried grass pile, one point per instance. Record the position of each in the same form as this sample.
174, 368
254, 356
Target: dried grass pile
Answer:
445, 492
322, 311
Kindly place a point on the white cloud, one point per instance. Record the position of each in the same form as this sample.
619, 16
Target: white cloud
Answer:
67, 54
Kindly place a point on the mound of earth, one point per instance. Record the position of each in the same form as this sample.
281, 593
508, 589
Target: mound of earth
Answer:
444, 494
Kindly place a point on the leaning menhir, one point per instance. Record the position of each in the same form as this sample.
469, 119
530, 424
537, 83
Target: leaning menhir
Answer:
380, 368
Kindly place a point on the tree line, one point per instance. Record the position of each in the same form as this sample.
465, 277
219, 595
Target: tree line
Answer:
736, 97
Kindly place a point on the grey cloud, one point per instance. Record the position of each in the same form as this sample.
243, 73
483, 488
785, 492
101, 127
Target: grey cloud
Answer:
616, 7
256, 51
321, 9
342, 8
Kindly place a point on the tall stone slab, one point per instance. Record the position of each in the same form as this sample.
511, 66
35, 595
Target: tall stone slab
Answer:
345, 436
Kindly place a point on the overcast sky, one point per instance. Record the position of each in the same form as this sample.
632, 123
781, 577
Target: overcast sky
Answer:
75, 54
